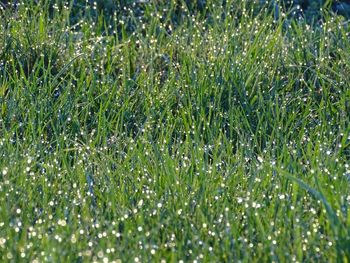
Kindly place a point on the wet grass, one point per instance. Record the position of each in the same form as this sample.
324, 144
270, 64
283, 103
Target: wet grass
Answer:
158, 132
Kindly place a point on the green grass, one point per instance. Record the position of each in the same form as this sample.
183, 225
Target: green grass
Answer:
169, 134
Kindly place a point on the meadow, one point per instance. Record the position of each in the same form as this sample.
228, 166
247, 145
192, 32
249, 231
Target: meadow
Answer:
174, 131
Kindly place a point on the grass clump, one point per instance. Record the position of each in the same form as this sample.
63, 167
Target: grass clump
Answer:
155, 132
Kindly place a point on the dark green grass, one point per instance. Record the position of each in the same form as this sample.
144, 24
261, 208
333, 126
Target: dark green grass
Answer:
216, 136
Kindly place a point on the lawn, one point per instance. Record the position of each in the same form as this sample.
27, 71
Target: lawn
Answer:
174, 131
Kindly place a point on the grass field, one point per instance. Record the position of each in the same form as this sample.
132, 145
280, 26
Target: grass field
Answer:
159, 132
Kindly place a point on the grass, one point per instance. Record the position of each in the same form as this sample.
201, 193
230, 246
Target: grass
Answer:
159, 133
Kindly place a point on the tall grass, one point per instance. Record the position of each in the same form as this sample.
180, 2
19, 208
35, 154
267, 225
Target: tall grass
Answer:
165, 131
